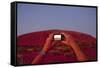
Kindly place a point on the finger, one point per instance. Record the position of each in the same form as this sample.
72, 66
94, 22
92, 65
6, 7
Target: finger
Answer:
66, 35
51, 35
63, 33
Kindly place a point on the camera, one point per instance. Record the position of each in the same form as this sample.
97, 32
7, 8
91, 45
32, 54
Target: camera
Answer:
58, 37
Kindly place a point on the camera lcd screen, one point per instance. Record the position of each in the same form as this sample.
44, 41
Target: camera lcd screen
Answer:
57, 37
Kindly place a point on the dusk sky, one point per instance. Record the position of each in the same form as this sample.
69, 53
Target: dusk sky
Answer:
33, 18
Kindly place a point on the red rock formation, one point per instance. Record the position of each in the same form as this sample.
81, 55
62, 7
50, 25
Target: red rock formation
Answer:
29, 45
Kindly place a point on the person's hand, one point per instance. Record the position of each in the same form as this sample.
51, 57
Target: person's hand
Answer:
68, 39
48, 43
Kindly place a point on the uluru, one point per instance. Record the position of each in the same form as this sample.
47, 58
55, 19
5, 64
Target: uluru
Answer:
29, 45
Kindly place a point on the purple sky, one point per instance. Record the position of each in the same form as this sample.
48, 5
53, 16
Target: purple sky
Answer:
32, 18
